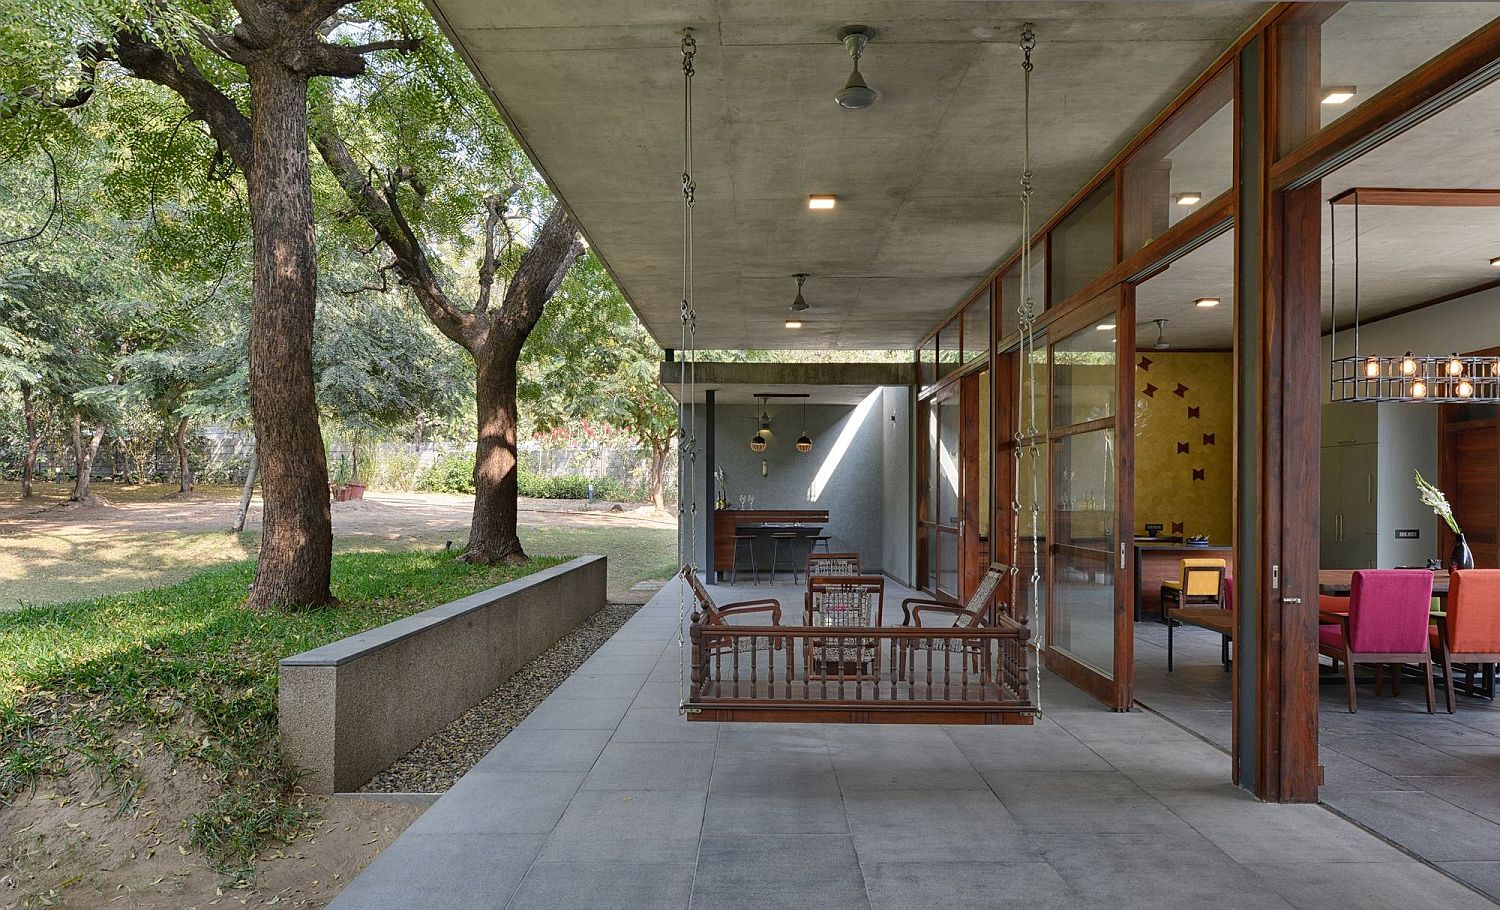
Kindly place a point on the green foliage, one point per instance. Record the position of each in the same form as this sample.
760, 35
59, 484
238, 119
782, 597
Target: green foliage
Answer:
188, 666
449, 474
455, 474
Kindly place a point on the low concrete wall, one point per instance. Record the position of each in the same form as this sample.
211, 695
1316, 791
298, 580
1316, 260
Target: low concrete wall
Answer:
350, 708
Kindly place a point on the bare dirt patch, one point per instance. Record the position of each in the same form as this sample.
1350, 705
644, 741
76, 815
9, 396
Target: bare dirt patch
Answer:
70, 844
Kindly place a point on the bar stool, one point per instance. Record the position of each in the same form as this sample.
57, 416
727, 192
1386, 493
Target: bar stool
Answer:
819, 540
734, 570
790, 539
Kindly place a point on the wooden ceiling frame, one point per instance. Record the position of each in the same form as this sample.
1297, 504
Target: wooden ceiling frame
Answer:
1418, 197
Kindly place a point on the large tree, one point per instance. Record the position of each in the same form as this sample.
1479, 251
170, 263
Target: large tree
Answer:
203, 52
435, 177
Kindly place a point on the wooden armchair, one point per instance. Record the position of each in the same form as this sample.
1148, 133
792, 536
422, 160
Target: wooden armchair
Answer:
712, 615
972, 615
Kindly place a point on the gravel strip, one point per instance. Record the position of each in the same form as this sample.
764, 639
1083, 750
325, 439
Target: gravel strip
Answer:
441, 759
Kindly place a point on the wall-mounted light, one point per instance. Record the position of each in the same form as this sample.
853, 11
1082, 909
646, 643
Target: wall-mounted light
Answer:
1207, 302
822, 202
1337, 94
1189, 198
794, 323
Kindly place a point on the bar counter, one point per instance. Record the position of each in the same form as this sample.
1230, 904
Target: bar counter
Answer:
728, 521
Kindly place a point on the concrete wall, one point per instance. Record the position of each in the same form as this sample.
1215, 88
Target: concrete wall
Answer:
1407, 432
350, 708
859, 470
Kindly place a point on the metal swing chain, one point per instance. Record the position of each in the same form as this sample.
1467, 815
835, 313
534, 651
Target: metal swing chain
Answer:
687, 420
1026, 406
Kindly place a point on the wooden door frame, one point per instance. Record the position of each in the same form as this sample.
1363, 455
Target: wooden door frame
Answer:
1117, 692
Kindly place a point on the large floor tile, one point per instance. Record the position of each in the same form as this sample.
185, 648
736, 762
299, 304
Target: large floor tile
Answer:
1154, 871
775, 813
442, 872
535, 749
652, 766
1252, 832
796, 872
501, 802
1366, 886
605, 886
1427, 825
1101, 802
968, 886
1481, 876
616, 826
921, 826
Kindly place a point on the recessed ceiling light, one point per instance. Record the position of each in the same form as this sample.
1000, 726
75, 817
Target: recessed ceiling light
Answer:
1189, 198
1106, 327
822, 202
1208, 301
1495, 262
794, 323
1337, 94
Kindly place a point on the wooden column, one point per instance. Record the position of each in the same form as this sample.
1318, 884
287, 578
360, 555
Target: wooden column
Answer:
1276, 488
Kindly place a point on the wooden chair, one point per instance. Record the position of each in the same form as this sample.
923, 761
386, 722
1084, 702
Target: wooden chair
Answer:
974, 614
1387, 623
845, 602
1214, 619
1470, 631
1201, 584
832, 564
713, 615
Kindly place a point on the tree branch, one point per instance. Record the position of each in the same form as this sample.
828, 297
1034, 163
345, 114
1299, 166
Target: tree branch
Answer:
381, 208
495, 214
51, 212
542, 269
177, 71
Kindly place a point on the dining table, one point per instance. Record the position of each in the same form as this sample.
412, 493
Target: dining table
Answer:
1336, 582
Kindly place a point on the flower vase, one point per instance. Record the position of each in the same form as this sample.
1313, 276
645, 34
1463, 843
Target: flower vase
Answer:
1462, 557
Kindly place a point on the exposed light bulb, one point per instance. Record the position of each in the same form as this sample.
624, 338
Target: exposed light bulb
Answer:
1408, 365
1455, 366
1465, 389
1372, 368
1419, 389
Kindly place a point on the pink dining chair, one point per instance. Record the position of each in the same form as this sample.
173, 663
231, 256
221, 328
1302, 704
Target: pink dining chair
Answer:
1386, 623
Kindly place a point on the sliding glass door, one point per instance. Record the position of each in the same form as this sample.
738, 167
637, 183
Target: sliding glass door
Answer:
1088, 634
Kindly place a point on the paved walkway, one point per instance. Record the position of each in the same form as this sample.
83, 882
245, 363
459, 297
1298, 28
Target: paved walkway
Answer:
1428, 782
605, 798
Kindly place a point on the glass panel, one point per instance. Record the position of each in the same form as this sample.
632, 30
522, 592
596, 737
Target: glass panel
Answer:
947, 463
1033, 535
926, 359
932, 559
1010, 290
976, 319
1188, 163
1083, 375
947, 349
933, 472
1083, 244
1084, 545
1336, 55
948, 565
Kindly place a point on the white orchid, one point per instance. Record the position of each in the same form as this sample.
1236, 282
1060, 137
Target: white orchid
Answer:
1434, 497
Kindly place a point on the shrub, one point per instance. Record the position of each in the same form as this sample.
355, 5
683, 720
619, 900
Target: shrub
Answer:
455, 474
449, 474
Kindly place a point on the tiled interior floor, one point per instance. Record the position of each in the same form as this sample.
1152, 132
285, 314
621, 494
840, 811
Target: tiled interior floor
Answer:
606, 798
1428, 782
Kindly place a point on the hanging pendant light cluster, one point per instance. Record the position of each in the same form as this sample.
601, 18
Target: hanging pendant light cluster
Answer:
763, 435
1451, 379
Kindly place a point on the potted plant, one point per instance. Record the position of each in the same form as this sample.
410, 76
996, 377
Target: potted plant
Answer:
1462, 557
354, 489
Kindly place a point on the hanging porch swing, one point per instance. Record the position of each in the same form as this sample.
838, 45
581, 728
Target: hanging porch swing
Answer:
831, 660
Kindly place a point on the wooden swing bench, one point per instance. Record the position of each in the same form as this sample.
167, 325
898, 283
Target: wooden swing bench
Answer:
974, 671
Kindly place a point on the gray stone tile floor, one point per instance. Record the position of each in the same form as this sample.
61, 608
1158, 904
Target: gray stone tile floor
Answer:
1429, 783
605, 798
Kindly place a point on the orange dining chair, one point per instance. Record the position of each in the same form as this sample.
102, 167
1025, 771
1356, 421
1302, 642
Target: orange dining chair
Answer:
1200, 583
1470, 631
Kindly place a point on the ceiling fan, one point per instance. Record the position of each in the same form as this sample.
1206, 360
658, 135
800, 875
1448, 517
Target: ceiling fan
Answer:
1161, 343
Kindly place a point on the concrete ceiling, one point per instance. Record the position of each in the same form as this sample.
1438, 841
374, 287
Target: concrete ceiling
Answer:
926, 178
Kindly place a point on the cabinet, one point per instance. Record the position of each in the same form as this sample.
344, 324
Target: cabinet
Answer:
1349, 532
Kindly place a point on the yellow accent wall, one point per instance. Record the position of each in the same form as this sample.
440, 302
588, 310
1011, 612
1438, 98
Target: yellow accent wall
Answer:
1184, 443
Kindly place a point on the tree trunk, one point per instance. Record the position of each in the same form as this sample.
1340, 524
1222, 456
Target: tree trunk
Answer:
492, 533
250, 472
184, 470
658, 467
83, 457
33, 441
296, 548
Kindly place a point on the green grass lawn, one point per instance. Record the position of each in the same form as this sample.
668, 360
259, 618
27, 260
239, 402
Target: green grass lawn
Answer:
55, 568
188, 669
